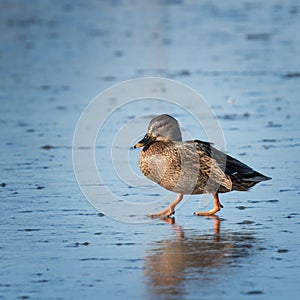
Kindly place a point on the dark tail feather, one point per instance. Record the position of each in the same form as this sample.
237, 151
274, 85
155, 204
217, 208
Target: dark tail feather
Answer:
254, 177
242, 176
243, 182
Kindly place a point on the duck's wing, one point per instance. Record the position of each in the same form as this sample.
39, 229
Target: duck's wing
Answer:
235, 167
242, 176
204, 161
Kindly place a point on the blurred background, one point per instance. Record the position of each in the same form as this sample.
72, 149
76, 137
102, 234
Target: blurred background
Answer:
55, 56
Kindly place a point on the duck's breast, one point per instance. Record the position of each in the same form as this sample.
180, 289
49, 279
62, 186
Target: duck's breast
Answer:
160, 163
171, 166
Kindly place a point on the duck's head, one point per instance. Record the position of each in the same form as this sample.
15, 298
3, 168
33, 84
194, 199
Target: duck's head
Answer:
161, 128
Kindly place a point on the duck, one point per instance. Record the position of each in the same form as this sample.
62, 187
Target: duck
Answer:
190, 167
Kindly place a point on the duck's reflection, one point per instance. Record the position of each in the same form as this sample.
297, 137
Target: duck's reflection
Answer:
172, 263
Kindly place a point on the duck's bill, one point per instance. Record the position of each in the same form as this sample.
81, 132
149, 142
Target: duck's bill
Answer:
143, 142
138, 145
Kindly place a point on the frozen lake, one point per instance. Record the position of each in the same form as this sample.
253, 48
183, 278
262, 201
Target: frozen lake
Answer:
242, 56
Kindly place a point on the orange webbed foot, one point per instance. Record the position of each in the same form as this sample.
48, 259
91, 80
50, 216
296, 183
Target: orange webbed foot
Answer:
168, 212
217, 207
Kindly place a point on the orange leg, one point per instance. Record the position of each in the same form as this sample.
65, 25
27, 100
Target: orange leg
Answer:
170, 210
217, 207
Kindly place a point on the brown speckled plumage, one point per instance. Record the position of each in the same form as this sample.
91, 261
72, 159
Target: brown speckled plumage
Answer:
182, 167
191, 167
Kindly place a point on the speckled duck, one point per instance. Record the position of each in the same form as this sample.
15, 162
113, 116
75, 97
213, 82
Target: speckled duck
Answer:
190, 167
